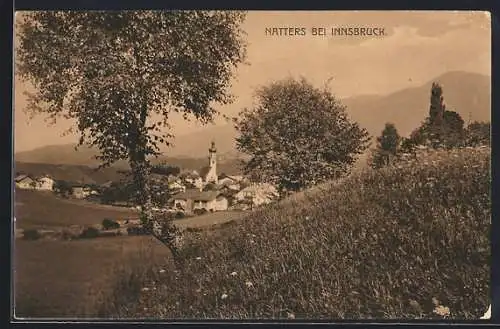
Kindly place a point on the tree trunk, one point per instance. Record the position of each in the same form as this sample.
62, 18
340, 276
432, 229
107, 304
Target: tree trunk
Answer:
162, 229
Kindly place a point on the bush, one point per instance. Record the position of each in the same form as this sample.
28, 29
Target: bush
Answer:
89, 233
109, 224
390, 243
200, 211
179, 215
67, 235
137, 230
31, 234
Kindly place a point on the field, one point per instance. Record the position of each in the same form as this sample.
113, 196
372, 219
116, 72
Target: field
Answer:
72, 278
37, 209
410, 241
69, 278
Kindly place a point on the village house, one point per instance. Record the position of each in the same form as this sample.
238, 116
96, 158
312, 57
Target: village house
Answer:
25, 182
41, 183
192, 178
258, 194
82, 191
194, 199
231, 182
44, 183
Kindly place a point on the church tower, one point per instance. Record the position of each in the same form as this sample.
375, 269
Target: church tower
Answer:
212, 164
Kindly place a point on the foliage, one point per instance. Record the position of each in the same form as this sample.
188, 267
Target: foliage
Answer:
388, 145
136, 230
89, 233
200, 211
31, 234
120, 74
179, 215
293, 152
210, 187
165, 169
388, 243
122, 191
442, 128
478, 133
62, 188
109, 224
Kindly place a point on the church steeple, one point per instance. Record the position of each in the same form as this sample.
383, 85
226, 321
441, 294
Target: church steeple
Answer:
212, 163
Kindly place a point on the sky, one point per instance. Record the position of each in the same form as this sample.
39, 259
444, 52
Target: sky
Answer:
414, 48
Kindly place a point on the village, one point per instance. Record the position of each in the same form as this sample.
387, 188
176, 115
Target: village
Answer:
189, 193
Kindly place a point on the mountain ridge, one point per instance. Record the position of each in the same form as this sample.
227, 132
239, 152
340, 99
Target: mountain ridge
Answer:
467, 93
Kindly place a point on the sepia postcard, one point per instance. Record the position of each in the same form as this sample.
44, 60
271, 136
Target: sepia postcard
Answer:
252, 165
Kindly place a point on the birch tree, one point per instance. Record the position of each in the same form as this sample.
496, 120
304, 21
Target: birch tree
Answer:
120, 74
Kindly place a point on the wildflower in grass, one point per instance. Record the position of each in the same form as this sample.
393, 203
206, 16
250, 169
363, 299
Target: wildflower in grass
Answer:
249, 284
145, 289
290, 315
224, 296
162, 271
198, 258
442, 310
233, 274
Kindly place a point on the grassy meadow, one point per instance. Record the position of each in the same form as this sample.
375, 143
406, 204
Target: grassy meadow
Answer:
55, 278
40, 209
405, 242
70, 279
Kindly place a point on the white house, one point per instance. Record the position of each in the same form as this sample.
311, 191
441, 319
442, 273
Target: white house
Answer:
81, 191
44, 183
25, 182
194, 199
231, 182
258, 194
192, 178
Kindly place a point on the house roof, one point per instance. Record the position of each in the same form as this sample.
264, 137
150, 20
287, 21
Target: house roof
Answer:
22, 177
197, 195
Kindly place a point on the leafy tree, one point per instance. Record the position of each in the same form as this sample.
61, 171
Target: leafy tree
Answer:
210, 187
437, 107
297, 136
120, 74
122, 191
388, 144
165, 169
63, 188
442, 128
478, 133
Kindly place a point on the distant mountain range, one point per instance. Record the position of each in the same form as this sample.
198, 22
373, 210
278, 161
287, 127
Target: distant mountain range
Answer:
469, 94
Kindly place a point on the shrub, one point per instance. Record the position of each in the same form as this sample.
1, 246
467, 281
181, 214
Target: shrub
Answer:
390, 243
200, 211
31, 234
179, 215
89, 233
109, 224
136, 230
67, 235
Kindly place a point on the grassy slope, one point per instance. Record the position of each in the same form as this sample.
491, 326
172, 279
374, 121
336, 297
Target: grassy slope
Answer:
36, 209
380, 244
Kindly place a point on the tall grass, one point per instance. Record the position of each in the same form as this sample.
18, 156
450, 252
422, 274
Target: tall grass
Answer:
408, 241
